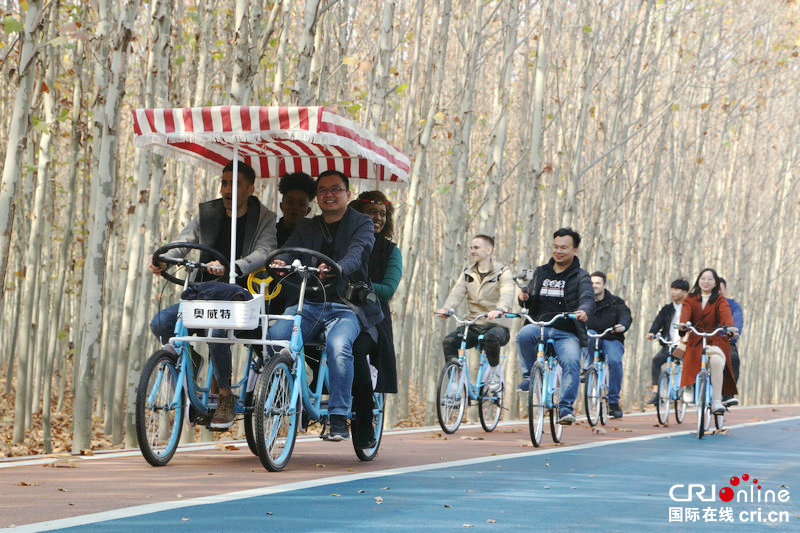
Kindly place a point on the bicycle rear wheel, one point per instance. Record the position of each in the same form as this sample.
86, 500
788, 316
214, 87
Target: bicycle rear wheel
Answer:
680, 407
276, 419
451, 397
536, 405
591, 397
158, 422
490, 407
703, 421
368, 454
662, 400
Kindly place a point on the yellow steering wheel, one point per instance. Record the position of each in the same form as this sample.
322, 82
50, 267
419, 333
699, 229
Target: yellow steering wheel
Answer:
254, 288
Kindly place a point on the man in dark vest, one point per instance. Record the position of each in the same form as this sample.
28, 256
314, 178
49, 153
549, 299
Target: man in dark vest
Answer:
255, 238
347, 237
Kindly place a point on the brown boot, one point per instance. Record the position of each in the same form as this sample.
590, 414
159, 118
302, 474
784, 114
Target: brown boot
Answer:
223, 416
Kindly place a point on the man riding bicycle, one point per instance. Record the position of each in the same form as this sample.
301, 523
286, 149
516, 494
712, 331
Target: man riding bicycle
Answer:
738, 321
663, 324
558, 286
610, 311
347, 237
255, 236
488, 287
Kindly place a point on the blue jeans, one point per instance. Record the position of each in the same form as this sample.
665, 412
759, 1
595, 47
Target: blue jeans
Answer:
341, 329
568, 354
163, 326
613, 350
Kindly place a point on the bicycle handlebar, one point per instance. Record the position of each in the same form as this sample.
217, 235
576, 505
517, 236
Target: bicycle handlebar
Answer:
690, 327
599, 335
668, 342
452, 314
539, 323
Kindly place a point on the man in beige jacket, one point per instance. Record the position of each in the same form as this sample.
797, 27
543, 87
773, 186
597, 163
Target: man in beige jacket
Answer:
488, 287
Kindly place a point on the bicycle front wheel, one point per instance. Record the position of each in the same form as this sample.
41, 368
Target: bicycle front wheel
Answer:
536, 405
158, 421
451, 397
368, 454
591, 397
490, 407
275, 418
703, 421
719, 421
662, 400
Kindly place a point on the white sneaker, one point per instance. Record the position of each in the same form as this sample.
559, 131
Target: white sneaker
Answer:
494, 382
717, 408
688, 394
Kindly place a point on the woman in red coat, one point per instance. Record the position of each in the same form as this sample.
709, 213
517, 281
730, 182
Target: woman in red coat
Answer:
707, 310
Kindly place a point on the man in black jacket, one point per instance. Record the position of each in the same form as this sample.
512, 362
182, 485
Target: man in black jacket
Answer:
610, 311
668, 316
347, 237
558, 286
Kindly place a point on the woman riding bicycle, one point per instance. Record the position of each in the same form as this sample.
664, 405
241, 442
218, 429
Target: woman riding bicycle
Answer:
707, 311
385, 271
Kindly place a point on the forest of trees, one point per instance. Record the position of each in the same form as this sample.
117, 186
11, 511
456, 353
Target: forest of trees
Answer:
667, 132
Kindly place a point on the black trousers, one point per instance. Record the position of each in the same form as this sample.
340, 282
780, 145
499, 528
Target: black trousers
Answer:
659, 359
363, 404
493, 338
735, 361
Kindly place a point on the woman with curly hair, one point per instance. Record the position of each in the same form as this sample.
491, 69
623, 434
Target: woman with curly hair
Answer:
385, 271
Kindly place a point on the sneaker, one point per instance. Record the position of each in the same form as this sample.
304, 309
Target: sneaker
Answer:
717, 408
614, 410
653, 399
566, 419
338, 430
688, 394
729, 401
494, 382
224, 414
524, 386
364, 434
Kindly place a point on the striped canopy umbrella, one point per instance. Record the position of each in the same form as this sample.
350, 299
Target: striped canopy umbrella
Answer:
273, 140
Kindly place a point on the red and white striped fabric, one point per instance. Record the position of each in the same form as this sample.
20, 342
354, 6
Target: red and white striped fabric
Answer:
272, 140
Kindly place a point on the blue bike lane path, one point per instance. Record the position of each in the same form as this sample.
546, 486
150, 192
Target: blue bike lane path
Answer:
633, 484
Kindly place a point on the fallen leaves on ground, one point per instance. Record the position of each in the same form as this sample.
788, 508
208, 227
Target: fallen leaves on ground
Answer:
62, 463
378, 500
599, 431
26, 484
470, 437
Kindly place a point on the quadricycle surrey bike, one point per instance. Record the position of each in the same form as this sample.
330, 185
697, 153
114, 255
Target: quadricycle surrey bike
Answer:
455, 391
272, 394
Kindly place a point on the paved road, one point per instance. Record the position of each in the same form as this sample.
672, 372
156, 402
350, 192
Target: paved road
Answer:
619, 481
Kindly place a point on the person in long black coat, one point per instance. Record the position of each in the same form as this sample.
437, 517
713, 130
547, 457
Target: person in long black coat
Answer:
385, 271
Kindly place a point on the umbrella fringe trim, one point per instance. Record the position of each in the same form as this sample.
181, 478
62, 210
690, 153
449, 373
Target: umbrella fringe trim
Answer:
151, 141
